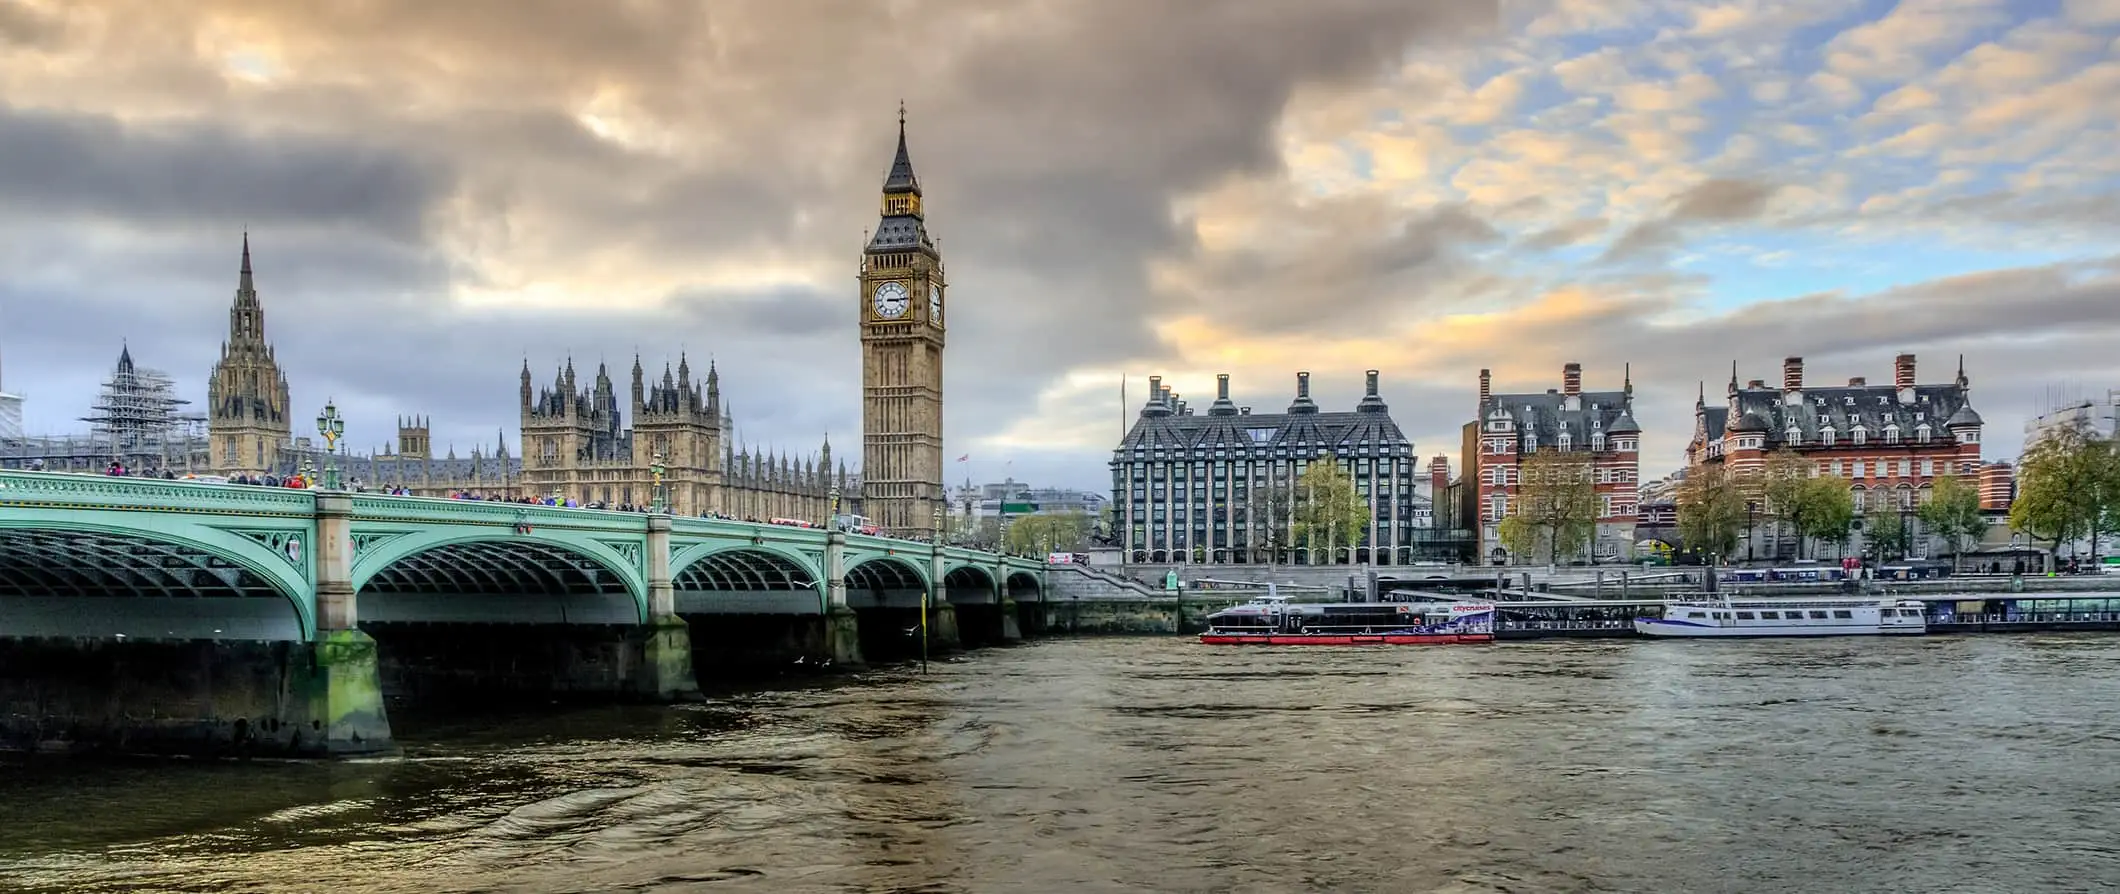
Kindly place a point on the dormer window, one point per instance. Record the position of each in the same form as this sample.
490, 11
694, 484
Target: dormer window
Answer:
1922, 433
1530, 441
1565, 440
1597, 440
1825, 436
1891, 433
1794, 437
1861, 435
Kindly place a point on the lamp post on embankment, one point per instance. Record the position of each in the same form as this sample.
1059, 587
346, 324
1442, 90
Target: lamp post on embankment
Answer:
332, 427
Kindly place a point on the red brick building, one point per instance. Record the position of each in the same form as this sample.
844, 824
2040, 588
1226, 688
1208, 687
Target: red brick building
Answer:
1890, 441
1599, 424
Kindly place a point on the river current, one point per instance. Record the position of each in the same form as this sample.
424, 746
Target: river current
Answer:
1853, 765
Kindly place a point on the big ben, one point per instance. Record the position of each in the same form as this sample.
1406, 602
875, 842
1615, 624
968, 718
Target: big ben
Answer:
902, 299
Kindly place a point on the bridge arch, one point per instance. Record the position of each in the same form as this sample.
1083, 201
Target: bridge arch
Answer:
62, 576
969, 583
1024, 586
483, 577
745, 579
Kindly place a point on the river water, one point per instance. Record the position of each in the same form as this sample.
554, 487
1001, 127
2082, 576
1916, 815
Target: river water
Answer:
1929, 764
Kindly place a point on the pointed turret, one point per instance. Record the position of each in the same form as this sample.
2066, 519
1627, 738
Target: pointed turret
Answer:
902, 225
901, 179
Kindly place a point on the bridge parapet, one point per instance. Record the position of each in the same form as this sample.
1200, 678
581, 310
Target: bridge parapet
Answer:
56, 490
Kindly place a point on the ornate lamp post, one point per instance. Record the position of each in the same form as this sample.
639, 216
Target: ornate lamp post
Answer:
331, 426
657, 500
831, 498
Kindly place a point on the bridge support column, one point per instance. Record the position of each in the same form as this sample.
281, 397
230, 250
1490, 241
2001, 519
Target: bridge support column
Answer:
1011, 627
942, 618
342, 676
666, 642
842, 631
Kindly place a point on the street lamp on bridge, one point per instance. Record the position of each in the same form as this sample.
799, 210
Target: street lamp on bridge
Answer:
332, 427
831, 499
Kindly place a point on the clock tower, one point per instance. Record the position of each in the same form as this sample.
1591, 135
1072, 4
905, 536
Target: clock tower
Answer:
902, 298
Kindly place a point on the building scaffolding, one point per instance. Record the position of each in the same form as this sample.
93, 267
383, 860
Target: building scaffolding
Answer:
137, 421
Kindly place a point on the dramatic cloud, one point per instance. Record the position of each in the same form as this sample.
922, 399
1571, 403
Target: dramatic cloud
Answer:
438, 192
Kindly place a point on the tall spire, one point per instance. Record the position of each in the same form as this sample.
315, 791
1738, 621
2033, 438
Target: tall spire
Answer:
243, 283
901, 179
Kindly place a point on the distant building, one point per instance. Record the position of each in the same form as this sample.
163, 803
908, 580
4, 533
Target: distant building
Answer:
1598, 425
1013, 497
136, 421
249, 418
2101, 417
1891, 441
1215, 487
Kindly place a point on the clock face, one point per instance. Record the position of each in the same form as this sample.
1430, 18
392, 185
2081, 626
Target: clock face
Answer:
935, 303
891, 300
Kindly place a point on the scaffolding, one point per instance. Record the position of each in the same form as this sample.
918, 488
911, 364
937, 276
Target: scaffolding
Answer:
136, 420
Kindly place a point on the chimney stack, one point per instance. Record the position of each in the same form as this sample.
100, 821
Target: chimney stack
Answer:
1792, 374
1372, 392
1302, 386
1756, 384
1243, 411
1222, 387
1903, 371
1155, 389
1486, 381
1857, 382
1572, 379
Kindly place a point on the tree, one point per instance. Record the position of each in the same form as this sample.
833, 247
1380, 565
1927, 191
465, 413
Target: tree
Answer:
1953, 513
2068, 488
1886, 532
1783, 487
1828, 511
1711, 510
1556, 500
1329, 513
1053, 532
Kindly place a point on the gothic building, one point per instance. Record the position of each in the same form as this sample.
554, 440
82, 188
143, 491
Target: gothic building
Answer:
1216, 488
576, 446
1597, 425
902, 296
248, 419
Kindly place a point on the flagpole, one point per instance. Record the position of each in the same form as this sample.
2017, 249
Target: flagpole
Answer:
1122, 406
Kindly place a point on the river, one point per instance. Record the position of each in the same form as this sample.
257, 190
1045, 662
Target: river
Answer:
1854, 765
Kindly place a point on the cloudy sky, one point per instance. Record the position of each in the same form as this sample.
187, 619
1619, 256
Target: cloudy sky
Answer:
437, 190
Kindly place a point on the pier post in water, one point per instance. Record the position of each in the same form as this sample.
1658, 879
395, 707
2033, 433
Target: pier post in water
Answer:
842, 630
666, 642
341, 671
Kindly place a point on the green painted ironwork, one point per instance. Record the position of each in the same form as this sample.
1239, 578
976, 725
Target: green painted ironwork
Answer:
271, 533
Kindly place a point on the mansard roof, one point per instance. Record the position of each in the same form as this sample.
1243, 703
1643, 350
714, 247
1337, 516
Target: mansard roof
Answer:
1546, 415
1167, 423
1843, 408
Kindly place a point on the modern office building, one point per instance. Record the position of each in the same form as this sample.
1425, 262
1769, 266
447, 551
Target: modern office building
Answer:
1216, 487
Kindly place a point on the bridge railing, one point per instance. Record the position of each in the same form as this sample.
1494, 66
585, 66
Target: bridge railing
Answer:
71, 490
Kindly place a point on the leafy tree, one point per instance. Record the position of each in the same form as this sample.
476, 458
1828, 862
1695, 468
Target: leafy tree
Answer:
1887, 533
1711, 510
1555, 500
1271, 508
1828, 512
1329, 513
2068, 488
1048, 532
1521, 535
1953, 513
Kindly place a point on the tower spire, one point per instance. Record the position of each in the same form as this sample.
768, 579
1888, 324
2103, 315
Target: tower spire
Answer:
901, 179
243, 281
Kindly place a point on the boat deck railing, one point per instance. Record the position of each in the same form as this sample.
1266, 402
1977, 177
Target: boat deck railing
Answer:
2025, 618
1568, 624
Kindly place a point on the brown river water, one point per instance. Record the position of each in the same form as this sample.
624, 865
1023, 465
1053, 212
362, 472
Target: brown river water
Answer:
1854, 765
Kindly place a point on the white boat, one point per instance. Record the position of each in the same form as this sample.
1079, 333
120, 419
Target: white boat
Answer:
1787, 617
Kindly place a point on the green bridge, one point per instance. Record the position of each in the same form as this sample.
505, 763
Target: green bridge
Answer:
176, 616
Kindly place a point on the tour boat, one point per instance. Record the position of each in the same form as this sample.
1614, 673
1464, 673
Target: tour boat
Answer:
1273, 621
1787, 617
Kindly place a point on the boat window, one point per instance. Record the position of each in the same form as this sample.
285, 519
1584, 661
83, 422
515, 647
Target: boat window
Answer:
1842, 613
1770, 616
1721, 615
1744, 616
1696, 614
1819, 615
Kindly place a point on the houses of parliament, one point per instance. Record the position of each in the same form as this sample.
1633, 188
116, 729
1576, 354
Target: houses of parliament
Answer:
576, 443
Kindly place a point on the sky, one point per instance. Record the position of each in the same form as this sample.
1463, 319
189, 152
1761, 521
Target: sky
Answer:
437, 192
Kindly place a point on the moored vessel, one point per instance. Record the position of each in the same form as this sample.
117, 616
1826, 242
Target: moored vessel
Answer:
1273, 621
1786, 617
